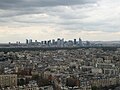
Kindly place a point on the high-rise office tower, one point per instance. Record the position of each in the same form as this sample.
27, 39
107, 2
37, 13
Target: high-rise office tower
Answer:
45, 42
58, 42
70, 43
42, 42
80, 42
62, 42
36, 42
87, 43
27, 41
30, 41
49, 42
53, 42
75, 41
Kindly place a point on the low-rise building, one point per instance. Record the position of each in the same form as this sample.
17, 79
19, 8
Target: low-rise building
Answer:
8, 80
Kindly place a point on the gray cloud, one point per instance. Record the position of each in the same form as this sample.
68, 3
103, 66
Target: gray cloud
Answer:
9, 8
89, 15
16, 10
8, 4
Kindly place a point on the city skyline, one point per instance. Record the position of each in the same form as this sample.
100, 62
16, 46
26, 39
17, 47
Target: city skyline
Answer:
43, 20
51, 39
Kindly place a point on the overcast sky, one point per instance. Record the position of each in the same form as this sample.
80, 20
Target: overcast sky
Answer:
69, 19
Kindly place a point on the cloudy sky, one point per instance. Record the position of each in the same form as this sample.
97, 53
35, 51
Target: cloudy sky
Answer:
69, 19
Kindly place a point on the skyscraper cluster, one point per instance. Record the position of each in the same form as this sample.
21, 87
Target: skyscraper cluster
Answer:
56, 43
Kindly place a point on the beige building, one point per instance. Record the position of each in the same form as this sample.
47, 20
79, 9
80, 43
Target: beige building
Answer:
104, 82
8, 80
